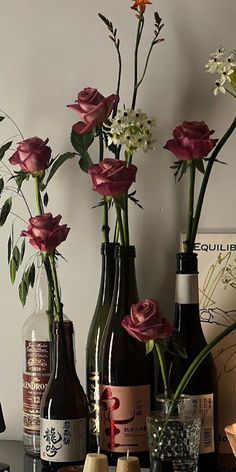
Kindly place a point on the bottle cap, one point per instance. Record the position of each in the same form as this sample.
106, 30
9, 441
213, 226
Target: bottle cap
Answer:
186, 263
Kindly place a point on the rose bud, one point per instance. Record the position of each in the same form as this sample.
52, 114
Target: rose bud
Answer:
32, 155
146, 323
45, 233
112, 177
93, 108
191, 141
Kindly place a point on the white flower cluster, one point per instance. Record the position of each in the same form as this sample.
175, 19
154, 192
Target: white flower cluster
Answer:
132, 128
222, 64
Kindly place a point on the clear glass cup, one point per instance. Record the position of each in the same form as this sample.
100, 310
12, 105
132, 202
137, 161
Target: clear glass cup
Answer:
174, 436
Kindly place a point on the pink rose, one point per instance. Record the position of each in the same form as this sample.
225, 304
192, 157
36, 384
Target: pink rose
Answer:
45, 233
32, 155
191, 141
146, 323
112, 177
93, 108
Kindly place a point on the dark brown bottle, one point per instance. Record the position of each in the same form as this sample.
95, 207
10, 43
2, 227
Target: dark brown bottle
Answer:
126, 373
64, 407
203, 385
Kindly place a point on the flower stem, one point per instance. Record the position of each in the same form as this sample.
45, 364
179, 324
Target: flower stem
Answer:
138, 37
197, 361
191, 204
163, 368
39, 202
204, 184
120, 223
105, 225
59, 305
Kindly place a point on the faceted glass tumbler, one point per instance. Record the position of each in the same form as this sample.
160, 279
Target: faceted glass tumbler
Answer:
173, 436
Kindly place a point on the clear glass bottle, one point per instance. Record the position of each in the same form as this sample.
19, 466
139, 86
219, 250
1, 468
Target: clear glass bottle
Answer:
64, 413
37, 347
126, 373
94, 339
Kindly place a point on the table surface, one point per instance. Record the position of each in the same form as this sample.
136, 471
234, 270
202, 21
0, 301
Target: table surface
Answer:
12, 452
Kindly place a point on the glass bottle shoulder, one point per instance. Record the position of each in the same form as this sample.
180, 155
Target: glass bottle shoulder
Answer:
36, 327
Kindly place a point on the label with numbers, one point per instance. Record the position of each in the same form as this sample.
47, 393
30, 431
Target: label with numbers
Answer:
33, 390
204, 405
63, 440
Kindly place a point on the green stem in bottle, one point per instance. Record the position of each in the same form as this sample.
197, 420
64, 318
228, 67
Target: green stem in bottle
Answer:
191, 203
202, 192
59, 305
198, 360
105, 224
119, 222
163, 368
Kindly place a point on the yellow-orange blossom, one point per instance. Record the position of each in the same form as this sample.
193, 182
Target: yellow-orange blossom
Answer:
141, 5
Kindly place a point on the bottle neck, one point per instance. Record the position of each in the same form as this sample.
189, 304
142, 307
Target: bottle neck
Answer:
42, 290
108, 272
64, 361
126, 291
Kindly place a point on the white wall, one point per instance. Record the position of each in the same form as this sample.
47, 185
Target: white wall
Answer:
51, 49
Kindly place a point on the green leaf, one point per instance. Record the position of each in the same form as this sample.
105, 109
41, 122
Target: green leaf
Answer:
13, 270
1, 185
32, 275
5, 211
22, 252
179, 350
85, 162
23, 292
4, 148
16, 256
81, 142
19, 179
45, 199
57, 164
149, 346
9, 250
200, 165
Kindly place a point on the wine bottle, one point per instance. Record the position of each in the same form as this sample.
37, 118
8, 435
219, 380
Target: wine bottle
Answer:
126, 372
94, 339
37, 362
64, 408
190, 340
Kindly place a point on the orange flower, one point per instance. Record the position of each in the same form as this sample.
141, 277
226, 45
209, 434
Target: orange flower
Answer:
141, 5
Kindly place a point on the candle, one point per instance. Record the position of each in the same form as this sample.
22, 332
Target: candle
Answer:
95, 462
128, 464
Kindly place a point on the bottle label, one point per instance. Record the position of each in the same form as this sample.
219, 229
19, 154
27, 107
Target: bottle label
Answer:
33, 388
204, 406
94, 402
63, 440
37, 356
123, 413
186, 289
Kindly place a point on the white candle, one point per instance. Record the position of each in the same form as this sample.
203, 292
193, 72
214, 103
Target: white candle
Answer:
128, 464
95, 462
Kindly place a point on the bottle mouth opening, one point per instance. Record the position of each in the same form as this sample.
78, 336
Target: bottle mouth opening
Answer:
125, 251
186, 263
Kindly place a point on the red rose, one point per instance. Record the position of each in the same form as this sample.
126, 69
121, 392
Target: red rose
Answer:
146, 323
191, 141
112, 177
45, 233
93, 108
32, 155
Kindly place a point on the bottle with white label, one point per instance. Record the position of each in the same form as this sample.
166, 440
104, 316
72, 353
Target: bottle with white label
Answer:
64, 412
190, 341
126, 372
37, 342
